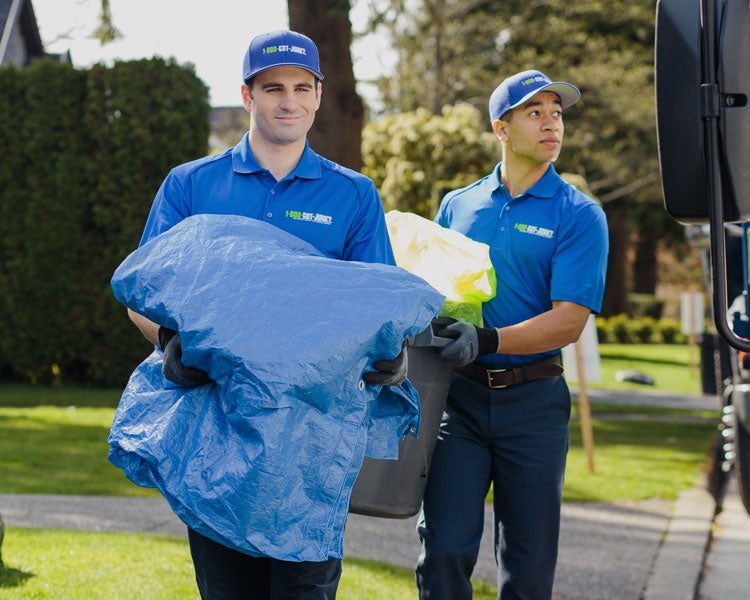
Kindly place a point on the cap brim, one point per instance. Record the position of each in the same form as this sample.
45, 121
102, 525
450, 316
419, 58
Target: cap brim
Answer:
299, 66
568, 93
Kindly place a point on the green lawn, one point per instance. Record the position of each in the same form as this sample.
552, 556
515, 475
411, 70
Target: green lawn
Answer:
637, 459
54, 441
55, 564
61, 448
675, 368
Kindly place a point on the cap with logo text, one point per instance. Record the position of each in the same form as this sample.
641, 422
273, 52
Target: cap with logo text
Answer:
519, 88
281, 48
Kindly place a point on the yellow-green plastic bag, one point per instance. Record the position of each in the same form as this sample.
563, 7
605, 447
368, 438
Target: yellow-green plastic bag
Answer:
455, 265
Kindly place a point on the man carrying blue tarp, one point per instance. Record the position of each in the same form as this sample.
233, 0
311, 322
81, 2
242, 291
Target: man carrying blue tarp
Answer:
272, 175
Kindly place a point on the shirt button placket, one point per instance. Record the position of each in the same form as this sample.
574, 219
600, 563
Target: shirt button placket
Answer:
269, 197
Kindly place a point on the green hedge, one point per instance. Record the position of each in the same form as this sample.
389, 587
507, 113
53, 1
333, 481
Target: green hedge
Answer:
84, 152
623, 329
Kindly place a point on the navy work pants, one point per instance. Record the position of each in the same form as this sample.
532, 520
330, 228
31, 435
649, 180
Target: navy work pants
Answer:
517, 439
225, 574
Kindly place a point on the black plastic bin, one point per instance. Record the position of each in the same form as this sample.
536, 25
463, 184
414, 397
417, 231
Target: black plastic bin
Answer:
394, 488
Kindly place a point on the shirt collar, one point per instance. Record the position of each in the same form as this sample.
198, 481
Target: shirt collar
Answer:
243, 161
546, 187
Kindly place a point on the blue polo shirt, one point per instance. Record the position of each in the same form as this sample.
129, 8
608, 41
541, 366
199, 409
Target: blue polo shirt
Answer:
335, 209
548, 244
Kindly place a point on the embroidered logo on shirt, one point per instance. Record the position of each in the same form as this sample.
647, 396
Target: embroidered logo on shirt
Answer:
310, 217
534, 230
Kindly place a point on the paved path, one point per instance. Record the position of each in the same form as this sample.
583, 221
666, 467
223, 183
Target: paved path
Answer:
651, 550
591, 535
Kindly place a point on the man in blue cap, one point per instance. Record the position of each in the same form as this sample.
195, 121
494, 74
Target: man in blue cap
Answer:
506, 420
273, 175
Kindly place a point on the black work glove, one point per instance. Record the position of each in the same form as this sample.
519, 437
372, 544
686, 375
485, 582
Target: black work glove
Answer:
389, 372
469, 341
172, 367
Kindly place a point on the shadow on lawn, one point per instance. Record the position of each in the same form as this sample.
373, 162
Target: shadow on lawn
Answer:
629, 358
11, 578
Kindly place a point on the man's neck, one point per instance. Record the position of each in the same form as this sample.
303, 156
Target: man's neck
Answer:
277, 159
517, 177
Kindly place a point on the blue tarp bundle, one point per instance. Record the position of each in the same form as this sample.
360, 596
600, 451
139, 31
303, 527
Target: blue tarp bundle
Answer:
264, 459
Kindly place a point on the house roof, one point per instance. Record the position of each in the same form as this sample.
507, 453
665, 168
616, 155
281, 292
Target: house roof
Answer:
19, 14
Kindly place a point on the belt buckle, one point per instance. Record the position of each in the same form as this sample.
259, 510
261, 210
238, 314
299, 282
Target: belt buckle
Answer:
490, 373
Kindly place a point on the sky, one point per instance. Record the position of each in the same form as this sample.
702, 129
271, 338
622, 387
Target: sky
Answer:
213, 36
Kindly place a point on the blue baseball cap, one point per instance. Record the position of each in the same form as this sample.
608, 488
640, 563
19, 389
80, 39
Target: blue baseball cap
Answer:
281, 48
519, 88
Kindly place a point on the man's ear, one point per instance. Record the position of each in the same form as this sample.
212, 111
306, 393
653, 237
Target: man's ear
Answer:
247, 96
319, 94
498, 126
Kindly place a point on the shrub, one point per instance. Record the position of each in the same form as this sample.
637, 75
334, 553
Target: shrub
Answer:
645, 330
602, 331
415, 157
644, 305
108, 140
671, 331
620, 329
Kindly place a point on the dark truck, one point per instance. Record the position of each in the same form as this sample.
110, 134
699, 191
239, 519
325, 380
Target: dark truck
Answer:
702, 74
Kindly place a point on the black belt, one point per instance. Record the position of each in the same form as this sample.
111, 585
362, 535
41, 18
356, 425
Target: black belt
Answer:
502, 378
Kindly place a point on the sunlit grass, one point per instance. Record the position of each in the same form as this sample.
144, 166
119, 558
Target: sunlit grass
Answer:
54, 441
637, 459
55, 564
53, 450
58, 564
675, 368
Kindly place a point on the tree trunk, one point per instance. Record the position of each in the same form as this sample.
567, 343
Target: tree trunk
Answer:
615, 291
645, 263
436, 10
337, 132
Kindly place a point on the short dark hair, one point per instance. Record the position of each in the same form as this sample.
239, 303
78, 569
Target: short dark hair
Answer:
249, 82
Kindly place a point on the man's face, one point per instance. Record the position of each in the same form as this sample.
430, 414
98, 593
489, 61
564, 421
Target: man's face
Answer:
533, 132
282, 104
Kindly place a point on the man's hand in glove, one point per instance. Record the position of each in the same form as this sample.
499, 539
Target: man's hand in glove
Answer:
389, 372
172, 367
469, 341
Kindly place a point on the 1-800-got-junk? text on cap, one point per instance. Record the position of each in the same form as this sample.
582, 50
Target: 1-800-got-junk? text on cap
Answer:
281, 48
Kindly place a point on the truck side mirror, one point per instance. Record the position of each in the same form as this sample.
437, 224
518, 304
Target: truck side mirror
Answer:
684, 100
703, 127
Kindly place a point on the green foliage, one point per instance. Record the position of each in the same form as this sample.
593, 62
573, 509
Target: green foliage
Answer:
106, 32
623, 329
645, 305
80, 175
447, 52
415, 157
12, 196
42, 226
618, 329
645, 330
671, 331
